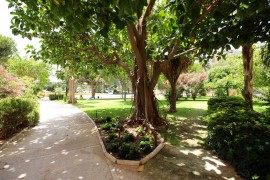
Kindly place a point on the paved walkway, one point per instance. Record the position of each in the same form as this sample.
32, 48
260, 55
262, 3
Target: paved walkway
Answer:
64, 145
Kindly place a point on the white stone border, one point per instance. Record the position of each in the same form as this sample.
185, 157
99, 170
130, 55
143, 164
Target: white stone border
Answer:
128, 162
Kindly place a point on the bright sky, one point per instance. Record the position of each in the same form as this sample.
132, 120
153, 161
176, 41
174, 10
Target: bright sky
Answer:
5, 23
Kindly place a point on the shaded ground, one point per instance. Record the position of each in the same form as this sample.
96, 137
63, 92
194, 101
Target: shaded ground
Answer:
185, 160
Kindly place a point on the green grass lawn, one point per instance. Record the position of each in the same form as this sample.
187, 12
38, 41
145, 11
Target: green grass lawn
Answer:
260, 106
119, 107
186, 109
185, 124
105, 107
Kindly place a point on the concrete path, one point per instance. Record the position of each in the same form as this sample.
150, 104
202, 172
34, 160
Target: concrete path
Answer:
64, 146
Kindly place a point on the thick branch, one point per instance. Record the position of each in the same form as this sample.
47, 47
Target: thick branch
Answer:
108, 60
133, 43
173, 51
208, 10
148, 10
184, 53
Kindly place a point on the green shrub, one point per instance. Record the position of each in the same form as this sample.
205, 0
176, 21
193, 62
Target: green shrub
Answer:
105, 126
140, 130
105, 120
221, 103
146, 146
127, 137
148, 138
118, 127
16, 114
242, 137
128, 151
112, 138
112, 147
56, 96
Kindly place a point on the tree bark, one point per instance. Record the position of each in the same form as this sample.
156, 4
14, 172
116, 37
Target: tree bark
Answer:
172, 72
93, 89
247, 92
173, 97
72, 98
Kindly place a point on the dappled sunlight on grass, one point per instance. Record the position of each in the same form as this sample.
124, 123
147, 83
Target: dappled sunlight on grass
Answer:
186, 127
106, 107
260, 106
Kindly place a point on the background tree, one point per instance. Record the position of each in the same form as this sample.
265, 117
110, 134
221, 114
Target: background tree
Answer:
237, 23
7, 49
172, 72
36, 70
193, 83
10, 85
261, 74
223, 76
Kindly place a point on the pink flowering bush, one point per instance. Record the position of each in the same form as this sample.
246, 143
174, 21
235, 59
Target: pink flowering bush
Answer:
10, 86
192, 83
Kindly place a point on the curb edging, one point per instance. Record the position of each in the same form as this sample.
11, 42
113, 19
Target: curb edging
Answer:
128, 162
9, 141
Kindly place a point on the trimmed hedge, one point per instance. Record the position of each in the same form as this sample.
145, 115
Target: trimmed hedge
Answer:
241, 136
56, 97
228, 102
16, 114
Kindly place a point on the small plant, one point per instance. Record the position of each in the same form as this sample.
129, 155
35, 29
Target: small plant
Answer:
128, 151
127, 137
105, 120
112, 147
140, 130
148, 138
112, 138
118, 127
146, 146
106, 126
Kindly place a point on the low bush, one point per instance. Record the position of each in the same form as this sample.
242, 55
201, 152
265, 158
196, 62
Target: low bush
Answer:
16, 114
56, 97
106, 126
127, 137
228, 102
241, 136
128, 151
146, 146
112, 138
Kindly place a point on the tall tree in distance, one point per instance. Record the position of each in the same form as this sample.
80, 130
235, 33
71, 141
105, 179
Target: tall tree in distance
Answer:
7, 49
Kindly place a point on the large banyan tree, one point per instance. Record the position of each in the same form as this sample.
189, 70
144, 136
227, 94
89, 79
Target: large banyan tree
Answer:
144, 37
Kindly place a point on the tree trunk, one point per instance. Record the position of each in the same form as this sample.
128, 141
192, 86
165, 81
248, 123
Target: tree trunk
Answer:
93, 89
173, 97
172, 72
247, 92
72, 98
